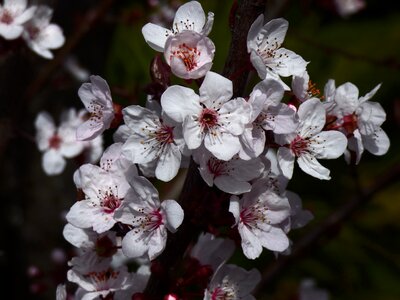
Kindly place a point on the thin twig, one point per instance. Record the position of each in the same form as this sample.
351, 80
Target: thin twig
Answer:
337, 217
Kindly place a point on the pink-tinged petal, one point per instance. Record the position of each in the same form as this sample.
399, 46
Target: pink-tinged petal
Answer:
61, 292
190, 16
27, 15
377, 143
271, 89
10, 32
275, 239
329, 91
179, 102
271, 74
251, 244
189, 54
371, 116
310, 165
101, 90
103, 222
86, 95
168, 164
192, 134
209, 24
81, 214
215, 90
223, 147
230, 185
253, 143
134, 243
258, 64
370, 94
15, 5
298, 216
288, 63
90, 129
328, 144
52, 162
312, 117
234, 115
286, 161
346, 98
173, 214
138, 151
234, 208
122, 134
155, 36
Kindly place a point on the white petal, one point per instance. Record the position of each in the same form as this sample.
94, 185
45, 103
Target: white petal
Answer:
287, 63
251, 245
371, 116
45, 129
346, 98
258, 64
281, 119
173, 214
155, 36
79, 237
168, 164
179, 102
52, 162
81, 214
310, 165
369, 95
190, 14
234, 115
230, 185
192, 134
312, 117
275, 31
377, 143
328, 144
253, 33
133, 244
286, 161
275, 239
215, 90
224, 146
234, 208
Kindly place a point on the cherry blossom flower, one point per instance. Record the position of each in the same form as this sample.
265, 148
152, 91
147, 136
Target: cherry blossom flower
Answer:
303, 88
309, 143
360, 120
230, 176
270, 60
186, 47
41, 35
98, 281
232, 282
211, 117
56, 143
149, 219
258, 215
13, 14
115, 163
189, 17
96, 97
190, 54
104, 193
153, 139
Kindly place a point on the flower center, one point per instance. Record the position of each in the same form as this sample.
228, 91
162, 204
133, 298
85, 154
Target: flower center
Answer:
105, 247
188, 55
55, 142
208, 118
216, 167
250, 216
299, 145
226, 291
165, 134
100, 279
350, 123
6, 17
110, 203
33, 32
313, 91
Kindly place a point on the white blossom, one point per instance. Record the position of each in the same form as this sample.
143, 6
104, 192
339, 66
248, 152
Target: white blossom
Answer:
211, 117
13, 15
41, 35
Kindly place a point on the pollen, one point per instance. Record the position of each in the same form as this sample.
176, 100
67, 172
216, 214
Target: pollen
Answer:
188, 55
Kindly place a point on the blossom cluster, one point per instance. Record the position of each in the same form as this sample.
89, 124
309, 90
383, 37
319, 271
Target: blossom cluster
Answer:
244, 146
32, 24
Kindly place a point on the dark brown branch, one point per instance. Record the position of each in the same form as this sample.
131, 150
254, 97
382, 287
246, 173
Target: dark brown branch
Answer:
91, 18
197, 198
339, 216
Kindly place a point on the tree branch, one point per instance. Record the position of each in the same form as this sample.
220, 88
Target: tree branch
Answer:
197, 199
300, 247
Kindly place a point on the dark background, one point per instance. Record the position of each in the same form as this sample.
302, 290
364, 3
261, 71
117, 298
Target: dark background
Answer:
359, 259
